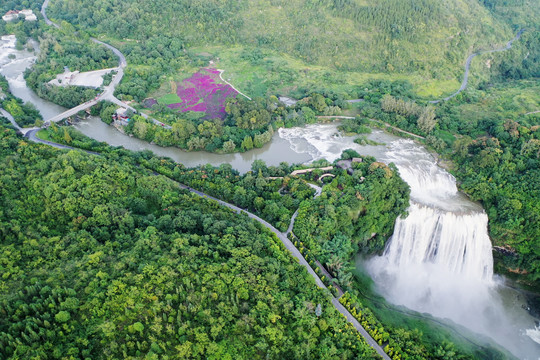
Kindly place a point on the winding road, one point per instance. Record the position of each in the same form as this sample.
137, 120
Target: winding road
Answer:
108, 93
468, 65
8, 116
31, 135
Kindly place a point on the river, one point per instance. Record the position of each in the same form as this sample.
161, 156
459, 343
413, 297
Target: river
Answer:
439, 259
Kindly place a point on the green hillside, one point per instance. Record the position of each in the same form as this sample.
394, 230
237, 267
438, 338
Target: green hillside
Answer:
421, 41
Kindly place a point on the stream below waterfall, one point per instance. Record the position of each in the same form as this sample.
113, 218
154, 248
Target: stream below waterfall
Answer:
438, 261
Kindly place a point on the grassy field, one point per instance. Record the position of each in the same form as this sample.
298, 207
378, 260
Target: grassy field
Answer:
169, 99
43, 134
264, 72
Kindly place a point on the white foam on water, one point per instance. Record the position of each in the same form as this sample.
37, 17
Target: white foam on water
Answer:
439, 259
534, 334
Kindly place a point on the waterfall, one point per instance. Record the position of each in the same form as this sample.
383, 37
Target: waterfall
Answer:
439, 259
456, 243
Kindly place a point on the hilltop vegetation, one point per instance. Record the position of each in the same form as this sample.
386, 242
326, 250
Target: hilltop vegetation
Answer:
429, 39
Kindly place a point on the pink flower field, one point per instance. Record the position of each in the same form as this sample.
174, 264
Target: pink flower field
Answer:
202, 93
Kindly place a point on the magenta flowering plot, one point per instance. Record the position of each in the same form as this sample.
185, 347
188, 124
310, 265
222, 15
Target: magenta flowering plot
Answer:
202, 93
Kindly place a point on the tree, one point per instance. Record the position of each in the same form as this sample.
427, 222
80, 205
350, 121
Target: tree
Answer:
229, 146
426, 121
62, 317
247, 144
67, 137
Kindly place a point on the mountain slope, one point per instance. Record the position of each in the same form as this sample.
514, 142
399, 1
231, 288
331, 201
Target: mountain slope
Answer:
397, 36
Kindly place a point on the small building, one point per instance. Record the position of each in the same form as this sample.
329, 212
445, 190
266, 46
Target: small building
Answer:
11, 15
347, 164
26, 12
122, 116
288, 101
28, 15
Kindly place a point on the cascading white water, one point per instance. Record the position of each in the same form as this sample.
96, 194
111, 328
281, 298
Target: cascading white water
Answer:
455, 243
439, 259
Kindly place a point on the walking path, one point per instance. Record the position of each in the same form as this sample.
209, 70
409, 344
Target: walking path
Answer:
281, 236
231, 85
468, 65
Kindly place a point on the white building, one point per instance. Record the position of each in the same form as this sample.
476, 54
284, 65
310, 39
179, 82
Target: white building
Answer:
26, 12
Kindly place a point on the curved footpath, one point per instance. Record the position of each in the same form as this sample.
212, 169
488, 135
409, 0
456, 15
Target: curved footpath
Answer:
468, 65
108, 93
31, 135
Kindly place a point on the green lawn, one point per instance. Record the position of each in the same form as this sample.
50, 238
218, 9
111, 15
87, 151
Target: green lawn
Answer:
169, 99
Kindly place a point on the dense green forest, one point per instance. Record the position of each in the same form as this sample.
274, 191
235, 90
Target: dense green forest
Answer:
318, 31
102, 259
349, 211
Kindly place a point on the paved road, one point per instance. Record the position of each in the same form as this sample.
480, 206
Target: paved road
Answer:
32, 136
43, 8
281, 236
465, 81
108, 93
8, 116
